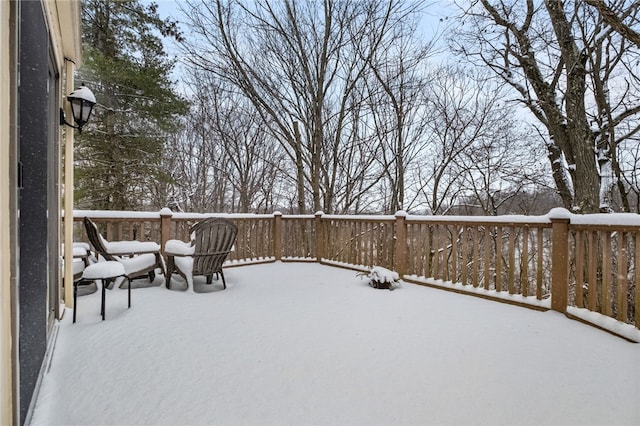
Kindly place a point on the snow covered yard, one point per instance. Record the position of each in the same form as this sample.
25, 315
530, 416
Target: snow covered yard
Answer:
302, 343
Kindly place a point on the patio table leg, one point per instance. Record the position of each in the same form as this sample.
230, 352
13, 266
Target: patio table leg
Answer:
75, 301
104, 286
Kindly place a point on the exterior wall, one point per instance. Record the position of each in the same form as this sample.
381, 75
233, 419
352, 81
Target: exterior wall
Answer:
51, 28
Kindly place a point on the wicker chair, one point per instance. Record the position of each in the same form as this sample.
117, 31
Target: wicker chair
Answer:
140, 259
212, 241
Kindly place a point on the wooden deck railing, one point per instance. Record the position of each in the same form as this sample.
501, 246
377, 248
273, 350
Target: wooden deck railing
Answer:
568, 263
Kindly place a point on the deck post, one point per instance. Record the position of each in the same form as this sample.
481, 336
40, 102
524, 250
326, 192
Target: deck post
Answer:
401, 243
319, 236
560, 260
277, 235
165, 227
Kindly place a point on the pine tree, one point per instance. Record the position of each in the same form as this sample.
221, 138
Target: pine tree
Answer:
118, 156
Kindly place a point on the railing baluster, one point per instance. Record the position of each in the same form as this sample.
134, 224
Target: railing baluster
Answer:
454, 256
476, 258
593, 277
512, 260
498, 275
427, 251
436, 252
524, 261
465, 253
636, 265
579, 262
623, 266
540, 253
487, 257
606, 275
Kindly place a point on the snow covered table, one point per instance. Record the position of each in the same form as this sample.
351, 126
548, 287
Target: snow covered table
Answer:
104, 271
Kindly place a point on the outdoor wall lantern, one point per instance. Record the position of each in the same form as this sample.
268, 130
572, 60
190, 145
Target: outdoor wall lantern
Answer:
82, 101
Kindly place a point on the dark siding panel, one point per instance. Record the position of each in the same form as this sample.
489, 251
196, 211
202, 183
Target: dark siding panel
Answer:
33, 130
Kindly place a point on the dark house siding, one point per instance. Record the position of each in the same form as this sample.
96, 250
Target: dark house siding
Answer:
33, 135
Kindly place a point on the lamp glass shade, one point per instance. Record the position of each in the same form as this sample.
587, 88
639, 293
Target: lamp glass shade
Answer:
82, 101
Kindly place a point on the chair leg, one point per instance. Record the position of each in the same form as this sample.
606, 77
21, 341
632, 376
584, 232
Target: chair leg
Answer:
104, 286
224, 283
129, 279
152, 276
209, 278
75, 300
161, 264
169, 272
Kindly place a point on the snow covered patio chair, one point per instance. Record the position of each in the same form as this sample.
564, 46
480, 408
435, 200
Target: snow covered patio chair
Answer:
212, 241
81, 259
140, 259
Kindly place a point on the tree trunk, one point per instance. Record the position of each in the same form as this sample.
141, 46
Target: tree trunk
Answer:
560, 176
585, 171
299, 167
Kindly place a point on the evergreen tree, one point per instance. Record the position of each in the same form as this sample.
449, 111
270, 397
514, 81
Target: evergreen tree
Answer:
118, 156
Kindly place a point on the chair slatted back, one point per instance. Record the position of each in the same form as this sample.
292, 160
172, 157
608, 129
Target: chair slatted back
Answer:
214, 239
95, 239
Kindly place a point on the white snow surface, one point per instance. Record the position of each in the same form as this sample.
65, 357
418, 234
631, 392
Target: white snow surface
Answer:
103, 270
125, 247
383, 275
179, 247
303, 343
138, 263
185, 264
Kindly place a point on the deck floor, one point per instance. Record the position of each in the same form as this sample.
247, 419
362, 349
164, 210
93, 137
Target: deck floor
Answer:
302, 343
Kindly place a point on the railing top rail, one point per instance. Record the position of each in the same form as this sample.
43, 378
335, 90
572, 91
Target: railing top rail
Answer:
298, 216
608, 222
147, 215
604, 227
535, 221
615, 221
115, 214
607, 219
187, 216
361, 217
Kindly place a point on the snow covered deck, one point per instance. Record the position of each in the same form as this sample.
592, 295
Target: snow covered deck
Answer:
582, 265
304, 343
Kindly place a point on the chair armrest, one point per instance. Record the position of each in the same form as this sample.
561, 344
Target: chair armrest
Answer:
130, 248
177, 254
131, 253
179, 248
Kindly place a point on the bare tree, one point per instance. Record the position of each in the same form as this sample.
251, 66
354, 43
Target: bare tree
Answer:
453, 109
196, 183
477, 149
398, 109
223, 161
556, 55
352, 170
500, 166
629, 166
300, 64
616, 18
253, 160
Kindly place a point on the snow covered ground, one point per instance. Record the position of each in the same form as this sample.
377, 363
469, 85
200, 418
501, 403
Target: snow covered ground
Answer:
302, 343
